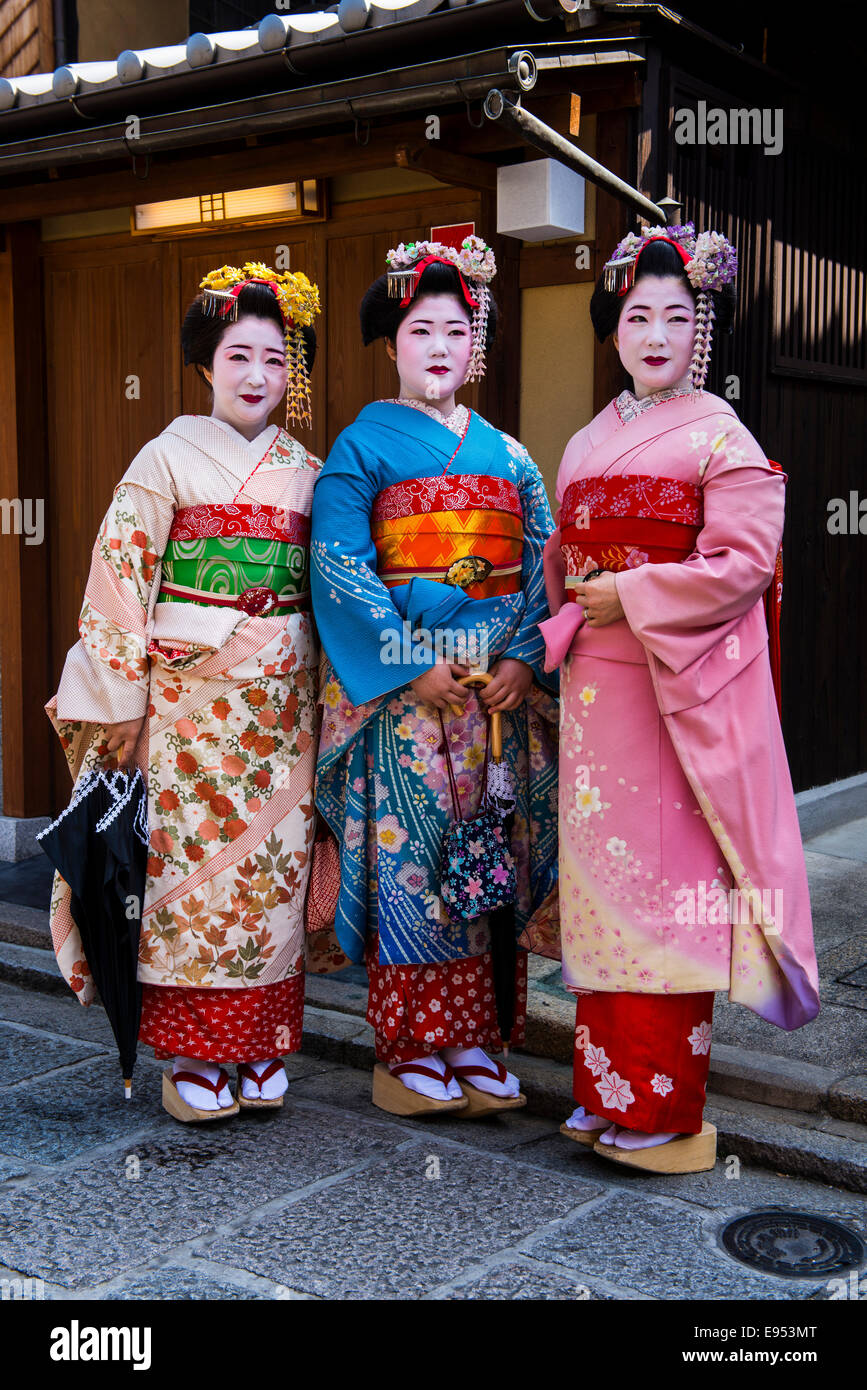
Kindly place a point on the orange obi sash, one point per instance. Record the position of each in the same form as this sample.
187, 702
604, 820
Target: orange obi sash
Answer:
634, 519
465, 530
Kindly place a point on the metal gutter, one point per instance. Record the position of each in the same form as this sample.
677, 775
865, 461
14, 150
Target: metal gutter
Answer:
349, 99
321, 105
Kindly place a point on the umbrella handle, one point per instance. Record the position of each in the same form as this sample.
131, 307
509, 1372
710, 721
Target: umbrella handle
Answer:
485, 678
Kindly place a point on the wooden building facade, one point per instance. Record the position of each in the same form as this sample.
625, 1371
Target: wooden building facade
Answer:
90, 312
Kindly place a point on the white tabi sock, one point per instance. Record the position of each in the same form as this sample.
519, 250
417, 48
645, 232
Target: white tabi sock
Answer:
271, 1089
583, 1120
637, 1139
200, 1096
475, 1057
425, 1085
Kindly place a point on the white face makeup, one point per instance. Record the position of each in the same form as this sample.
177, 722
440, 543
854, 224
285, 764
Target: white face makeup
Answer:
432, 350
249, 374
656, 334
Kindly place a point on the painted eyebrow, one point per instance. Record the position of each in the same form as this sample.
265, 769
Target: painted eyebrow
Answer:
463, 322
248, 348
649, 306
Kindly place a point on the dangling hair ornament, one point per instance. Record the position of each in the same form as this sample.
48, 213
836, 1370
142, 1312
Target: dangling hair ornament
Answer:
709, 262
298, 299
476, 267
704, 317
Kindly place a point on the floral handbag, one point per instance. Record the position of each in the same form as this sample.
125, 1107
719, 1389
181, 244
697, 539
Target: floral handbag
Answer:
477, 870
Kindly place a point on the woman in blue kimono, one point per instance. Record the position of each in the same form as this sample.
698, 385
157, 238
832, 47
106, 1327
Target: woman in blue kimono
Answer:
426, 562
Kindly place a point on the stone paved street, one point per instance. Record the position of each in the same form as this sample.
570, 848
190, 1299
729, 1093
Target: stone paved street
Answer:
330, 1198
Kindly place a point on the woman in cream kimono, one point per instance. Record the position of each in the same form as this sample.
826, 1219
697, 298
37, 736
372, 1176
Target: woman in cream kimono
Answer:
681, 869
197, 661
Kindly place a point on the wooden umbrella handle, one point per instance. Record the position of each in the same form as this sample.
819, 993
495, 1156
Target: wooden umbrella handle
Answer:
485, 678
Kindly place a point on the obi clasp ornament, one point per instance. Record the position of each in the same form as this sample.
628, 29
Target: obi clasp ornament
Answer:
469, 569
257, 601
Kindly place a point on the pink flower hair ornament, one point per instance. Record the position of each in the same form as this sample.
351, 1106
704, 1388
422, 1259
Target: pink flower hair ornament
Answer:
476, 267
709, 261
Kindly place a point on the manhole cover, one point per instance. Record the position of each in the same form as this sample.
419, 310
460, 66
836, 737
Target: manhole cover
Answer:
792, 1243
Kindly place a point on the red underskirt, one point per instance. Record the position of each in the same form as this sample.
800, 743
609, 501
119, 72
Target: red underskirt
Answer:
224, 1025
417, 1009
641, 1060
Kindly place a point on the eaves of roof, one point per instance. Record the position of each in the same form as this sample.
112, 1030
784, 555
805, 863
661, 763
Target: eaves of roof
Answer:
347, 38
315, 104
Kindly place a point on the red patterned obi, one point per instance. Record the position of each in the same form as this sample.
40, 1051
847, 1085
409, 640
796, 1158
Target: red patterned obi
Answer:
238, 555
633, 519
465, 530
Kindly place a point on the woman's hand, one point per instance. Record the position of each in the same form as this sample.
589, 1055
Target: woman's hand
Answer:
510, 681
124, 736
439, 686
598, 598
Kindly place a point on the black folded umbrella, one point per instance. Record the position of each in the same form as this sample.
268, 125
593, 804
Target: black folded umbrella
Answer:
99, 847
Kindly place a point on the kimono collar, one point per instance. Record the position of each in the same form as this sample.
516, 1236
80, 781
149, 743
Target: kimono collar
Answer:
223, 444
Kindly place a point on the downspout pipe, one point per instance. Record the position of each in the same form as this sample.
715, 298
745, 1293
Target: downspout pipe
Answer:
498, 106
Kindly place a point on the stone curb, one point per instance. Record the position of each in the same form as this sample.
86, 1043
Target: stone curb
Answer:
25, 926
769, 1136
31, 966
734, 1071
832, 1150
767, 1109
825, 808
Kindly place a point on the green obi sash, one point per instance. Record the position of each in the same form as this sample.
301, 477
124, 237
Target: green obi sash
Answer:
256, 574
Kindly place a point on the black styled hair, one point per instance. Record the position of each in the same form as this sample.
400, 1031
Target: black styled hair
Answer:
201, 333
658, 258
381, 315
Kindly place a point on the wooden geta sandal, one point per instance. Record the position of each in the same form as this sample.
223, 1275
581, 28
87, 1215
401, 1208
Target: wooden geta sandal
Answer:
389, 1092
246, 1073
688, 1153
177, 1107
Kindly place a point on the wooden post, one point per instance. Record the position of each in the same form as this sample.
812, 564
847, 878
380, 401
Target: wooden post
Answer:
500, 388
613, 220
25, 665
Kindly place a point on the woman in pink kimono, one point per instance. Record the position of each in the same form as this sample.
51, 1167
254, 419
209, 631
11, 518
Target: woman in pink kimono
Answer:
681, 868
197, 660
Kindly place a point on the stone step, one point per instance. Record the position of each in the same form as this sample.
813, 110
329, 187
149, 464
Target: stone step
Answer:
736, 1072
803, 1144
811, 1144
31, 966
25, 926
788, 1141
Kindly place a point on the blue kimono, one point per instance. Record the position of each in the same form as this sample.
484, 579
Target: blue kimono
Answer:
419, 535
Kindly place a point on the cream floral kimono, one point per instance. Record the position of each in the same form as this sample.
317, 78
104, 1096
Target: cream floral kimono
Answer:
229, 744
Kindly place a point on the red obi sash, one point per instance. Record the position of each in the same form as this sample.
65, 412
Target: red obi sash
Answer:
251, 519
466, 530
638, 519
635, 519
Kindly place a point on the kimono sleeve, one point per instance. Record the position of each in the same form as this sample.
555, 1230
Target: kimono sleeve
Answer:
528, 644
106, 676
361, 631
677, 610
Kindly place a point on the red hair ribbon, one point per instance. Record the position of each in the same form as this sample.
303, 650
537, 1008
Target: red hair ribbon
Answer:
422, 266
236, 290
684, 256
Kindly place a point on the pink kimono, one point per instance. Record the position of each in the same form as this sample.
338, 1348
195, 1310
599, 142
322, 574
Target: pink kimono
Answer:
681, 867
